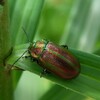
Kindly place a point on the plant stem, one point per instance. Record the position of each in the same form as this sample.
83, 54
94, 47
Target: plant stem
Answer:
6, 92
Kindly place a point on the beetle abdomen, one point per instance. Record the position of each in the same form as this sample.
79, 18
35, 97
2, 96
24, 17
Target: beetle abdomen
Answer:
59, 61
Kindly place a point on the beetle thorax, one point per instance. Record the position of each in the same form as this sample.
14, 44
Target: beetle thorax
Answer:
37, 49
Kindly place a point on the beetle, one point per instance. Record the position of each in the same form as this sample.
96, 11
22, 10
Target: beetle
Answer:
54, 59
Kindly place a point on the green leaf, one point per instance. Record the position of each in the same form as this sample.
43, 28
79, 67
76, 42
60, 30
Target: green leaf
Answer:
87, 83
82, 28
64, 94
25, 14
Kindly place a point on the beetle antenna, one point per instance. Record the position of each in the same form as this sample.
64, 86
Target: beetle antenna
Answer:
26, 34
25, 51
18, 58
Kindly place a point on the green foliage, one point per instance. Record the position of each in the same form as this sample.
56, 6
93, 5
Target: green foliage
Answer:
83, 84
6, 90
72, 22
63, 93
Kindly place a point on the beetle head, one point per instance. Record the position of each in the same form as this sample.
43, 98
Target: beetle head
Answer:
35, 49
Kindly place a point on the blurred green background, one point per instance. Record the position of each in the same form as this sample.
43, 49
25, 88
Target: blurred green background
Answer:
75, 23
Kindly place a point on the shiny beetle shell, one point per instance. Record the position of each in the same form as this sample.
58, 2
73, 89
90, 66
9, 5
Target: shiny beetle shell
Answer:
55, 59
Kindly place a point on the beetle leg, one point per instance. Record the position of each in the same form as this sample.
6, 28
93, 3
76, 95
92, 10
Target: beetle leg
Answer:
33, 59
30, 58
64, 46
44, 72
27, 57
